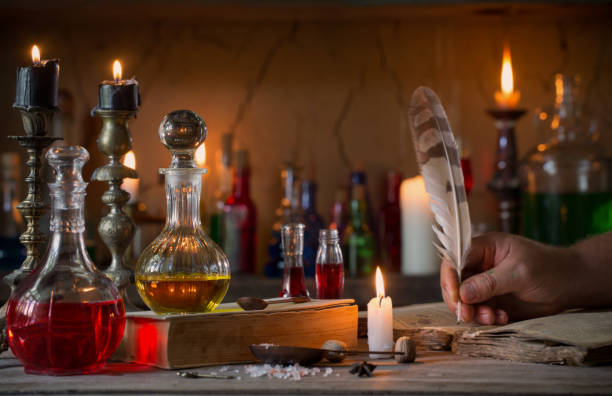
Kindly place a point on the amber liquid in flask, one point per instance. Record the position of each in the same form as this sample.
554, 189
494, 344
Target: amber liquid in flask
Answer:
182, 270
182, 293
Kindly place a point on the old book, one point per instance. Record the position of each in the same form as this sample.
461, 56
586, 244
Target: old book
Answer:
432, 326
572, 338
223, 336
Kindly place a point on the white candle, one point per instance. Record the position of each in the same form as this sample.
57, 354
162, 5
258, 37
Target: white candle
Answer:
130, 185
380, 320
417, 249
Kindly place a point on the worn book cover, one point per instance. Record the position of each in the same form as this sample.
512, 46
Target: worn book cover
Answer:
572, 338
223, 336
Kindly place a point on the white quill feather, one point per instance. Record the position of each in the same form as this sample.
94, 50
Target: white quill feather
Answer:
440, 164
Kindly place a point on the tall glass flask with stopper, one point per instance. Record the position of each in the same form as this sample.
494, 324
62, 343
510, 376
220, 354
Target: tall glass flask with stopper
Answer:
566, 191
294, 283
182, 270
66, 317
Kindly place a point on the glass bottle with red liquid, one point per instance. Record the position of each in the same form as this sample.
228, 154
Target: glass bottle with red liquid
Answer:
329, 277
294, 282
239, 220
66, 317
390, 226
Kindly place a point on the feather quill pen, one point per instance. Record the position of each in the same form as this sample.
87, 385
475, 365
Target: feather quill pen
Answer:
440, 164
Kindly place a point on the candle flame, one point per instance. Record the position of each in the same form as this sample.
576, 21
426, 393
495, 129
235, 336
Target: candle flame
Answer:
130, 160
200, 155
117, 70
380, 284
507, 78
35, 55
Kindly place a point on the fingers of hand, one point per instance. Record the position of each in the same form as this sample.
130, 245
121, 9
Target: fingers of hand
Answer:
487, 314
484, 286
449, 281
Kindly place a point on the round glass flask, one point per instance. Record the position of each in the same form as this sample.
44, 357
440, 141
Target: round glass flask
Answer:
182, 270
566, 189
66, 317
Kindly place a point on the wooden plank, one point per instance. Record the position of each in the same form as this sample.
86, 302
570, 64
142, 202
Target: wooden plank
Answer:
433, 373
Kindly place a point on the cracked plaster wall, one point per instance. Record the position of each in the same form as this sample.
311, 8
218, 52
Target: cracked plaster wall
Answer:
318, 89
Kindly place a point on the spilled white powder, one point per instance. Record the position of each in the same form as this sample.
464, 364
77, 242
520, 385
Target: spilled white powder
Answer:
294, 373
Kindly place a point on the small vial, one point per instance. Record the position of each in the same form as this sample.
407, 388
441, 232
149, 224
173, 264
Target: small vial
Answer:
294, 283
329, 276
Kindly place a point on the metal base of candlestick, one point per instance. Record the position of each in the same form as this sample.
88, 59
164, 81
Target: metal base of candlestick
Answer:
36, 121
506, 184
116, 228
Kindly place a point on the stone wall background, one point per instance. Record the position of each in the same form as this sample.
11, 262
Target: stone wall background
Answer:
306, 81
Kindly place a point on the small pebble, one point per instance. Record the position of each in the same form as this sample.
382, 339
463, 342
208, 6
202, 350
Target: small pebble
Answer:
407, 349
339, 349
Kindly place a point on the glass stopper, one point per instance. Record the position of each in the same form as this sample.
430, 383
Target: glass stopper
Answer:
182, 131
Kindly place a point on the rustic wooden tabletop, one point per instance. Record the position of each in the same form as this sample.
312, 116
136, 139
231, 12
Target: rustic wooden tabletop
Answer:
432, 373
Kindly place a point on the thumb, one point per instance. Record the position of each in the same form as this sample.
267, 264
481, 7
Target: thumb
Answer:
486, 285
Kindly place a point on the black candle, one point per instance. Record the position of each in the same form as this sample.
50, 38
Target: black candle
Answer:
37, 84
118, 94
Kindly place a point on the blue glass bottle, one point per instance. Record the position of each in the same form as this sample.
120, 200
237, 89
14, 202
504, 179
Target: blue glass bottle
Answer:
313, 222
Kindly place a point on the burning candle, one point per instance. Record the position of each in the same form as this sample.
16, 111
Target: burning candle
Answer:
118, 94
130, 185
507, 97
380, 320
37, 84
417, 248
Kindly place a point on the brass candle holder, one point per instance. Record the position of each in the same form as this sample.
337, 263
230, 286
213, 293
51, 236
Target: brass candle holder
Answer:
36, 121
117, 227
505, 183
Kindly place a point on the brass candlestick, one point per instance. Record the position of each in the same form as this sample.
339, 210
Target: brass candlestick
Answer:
116, 228
36, 121
505, 183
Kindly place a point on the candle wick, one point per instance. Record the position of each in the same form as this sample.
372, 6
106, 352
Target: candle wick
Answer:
380, 301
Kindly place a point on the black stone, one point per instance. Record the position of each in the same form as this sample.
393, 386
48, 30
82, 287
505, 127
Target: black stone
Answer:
37, 85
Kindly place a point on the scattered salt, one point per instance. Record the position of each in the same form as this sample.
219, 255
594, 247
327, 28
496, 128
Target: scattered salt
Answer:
295, 372
224, 369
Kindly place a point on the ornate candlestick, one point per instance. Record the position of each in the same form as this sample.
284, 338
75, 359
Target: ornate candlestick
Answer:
118, 102
36, 100
505, 183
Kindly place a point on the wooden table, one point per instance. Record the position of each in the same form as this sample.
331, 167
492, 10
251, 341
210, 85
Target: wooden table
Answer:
433, 373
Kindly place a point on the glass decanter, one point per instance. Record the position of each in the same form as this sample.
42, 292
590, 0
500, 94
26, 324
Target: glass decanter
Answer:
329, 278
182, 270
566, 188
294, 283
66, 317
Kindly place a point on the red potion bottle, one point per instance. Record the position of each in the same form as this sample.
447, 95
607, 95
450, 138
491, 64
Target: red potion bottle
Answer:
329, 277
66, 317
294, 283
390, 227
239, 220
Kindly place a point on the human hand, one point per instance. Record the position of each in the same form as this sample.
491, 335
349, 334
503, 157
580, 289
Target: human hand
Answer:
508, 277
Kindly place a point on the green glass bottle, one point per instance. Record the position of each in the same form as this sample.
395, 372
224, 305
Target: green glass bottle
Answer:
359, 244
566, 191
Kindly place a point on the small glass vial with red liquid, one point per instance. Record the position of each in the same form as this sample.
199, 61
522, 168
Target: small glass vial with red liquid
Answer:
329, 276
66, 317
294, 283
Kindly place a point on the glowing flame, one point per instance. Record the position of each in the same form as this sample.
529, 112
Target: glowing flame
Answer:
130, 160
35, 55
507, 79
200, 155
117, 70
380, 284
